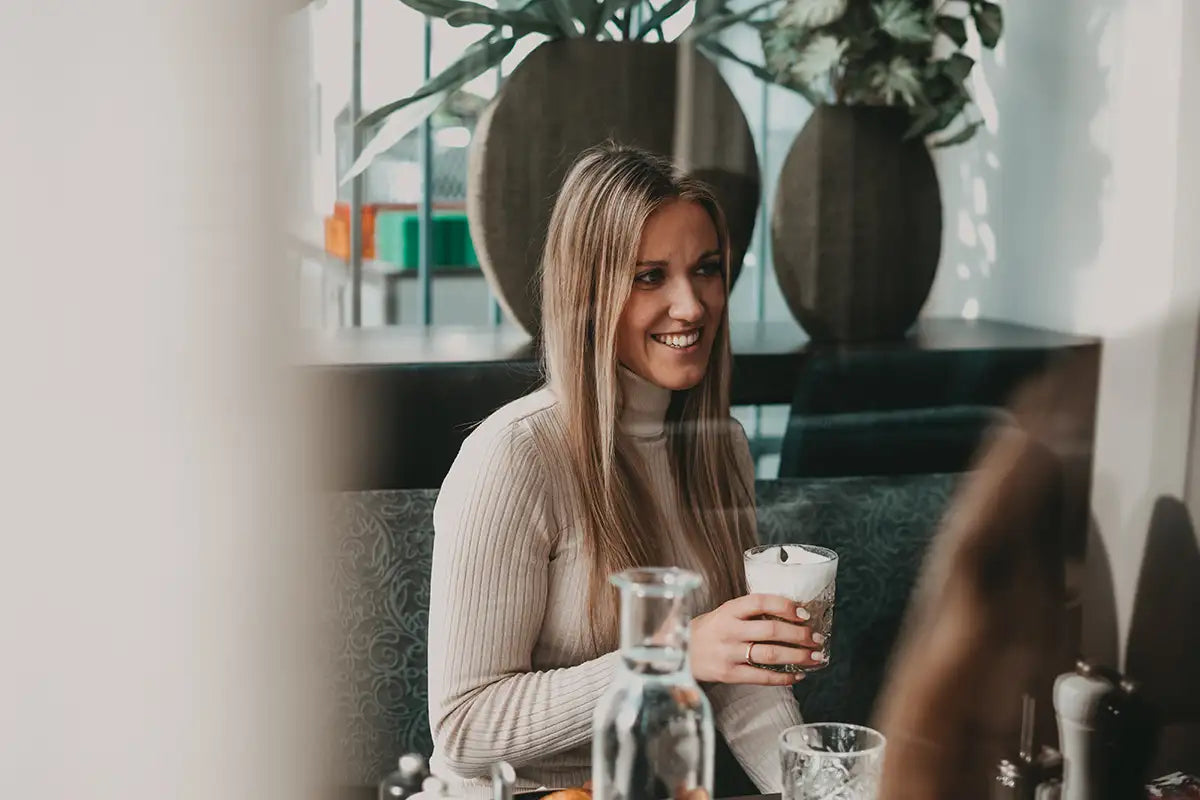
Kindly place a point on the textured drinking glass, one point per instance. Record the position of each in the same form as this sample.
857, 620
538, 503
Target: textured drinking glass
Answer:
652, 733
804, 573
831, 761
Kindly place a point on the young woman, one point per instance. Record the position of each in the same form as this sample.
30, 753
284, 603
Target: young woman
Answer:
628, 457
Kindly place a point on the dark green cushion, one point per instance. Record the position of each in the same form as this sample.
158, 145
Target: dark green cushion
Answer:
888, 379
898, 442
899, 410
381, 582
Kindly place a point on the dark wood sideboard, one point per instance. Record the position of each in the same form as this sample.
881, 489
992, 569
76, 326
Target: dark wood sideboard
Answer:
394, 404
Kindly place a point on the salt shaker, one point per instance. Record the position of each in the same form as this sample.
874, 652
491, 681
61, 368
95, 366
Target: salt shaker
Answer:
503, 780
407, 780
1050, 773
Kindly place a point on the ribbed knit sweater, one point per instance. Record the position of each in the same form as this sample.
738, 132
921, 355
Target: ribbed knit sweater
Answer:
512, 671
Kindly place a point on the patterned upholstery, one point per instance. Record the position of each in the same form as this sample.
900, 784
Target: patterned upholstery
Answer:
880, 526
384, 554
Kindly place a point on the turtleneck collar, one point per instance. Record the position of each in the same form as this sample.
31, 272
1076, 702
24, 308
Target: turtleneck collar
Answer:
643, 405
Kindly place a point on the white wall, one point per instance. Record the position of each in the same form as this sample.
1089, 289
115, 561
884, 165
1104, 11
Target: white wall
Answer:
1077, 209
151, 600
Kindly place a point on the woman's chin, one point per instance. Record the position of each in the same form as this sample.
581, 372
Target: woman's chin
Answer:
678, 378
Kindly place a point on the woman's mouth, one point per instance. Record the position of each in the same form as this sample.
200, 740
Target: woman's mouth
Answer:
678, 341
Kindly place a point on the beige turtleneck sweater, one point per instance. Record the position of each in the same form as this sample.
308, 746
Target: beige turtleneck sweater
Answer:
512, 673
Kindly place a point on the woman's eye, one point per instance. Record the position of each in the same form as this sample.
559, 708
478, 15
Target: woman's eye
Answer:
709, 268
649, 277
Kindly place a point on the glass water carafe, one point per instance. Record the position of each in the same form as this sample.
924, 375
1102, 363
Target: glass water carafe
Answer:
652, 734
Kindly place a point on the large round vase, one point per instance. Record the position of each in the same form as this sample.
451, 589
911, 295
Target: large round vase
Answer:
569, 95
857, 226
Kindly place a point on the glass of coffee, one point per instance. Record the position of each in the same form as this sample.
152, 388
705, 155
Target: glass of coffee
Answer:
803, 573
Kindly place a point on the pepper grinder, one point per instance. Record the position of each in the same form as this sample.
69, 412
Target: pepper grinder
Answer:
1107, 734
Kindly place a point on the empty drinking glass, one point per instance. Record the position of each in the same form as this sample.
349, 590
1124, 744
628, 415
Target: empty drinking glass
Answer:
831, 761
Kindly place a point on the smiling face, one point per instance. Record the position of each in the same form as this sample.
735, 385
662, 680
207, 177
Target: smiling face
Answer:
667, 328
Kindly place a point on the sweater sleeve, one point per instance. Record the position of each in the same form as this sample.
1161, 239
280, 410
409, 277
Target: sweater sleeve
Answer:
494, 536
752, 717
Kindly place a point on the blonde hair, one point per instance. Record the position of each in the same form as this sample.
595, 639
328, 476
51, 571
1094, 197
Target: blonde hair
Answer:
587, 275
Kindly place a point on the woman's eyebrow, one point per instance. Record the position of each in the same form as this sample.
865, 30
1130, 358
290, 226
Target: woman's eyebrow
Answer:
661, 263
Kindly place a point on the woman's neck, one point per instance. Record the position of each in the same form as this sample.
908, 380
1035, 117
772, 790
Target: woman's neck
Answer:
644, 405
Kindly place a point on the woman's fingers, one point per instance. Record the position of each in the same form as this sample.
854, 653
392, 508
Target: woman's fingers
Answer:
774, 654
751, 606
745, 673
773, 630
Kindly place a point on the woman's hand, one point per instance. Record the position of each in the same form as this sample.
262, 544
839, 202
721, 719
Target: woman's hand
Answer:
722, 638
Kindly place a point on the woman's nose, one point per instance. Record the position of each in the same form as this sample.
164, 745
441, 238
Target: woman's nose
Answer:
685, 304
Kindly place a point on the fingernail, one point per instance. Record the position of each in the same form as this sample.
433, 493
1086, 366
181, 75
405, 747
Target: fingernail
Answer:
799, 676
820, 656
802, 612
819, 638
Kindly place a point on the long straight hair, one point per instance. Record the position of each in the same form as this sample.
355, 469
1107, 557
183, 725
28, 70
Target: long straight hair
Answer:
587, 275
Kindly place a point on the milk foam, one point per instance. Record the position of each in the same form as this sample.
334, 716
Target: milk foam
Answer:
802, 577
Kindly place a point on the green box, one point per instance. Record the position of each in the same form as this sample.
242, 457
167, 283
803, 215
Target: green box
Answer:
397, 240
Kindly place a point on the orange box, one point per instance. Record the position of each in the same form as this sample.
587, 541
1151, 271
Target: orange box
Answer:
337, 228
337, 238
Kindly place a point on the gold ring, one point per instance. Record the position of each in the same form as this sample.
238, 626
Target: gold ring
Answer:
750, 649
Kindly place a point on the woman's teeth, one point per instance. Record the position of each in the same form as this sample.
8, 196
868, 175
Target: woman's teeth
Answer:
680, 341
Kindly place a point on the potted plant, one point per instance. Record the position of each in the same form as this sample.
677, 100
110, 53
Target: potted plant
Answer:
604, 71
857, 220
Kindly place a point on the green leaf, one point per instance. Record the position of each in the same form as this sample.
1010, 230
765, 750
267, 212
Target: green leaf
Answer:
527, 17
812, 13
957, 67
938, 87
394, 129
705, 9
521, 22
608, 12
721, 21
897, 79
963, 135
948, 110
922, 122
477, 59
433, 8
780, 46
661, 15
564, 17
586, 11
989, 21
953, 27
818, 58
716, 48
904, 23
440, 9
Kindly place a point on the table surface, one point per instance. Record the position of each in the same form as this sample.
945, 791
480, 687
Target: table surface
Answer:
414, 344
370, 793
